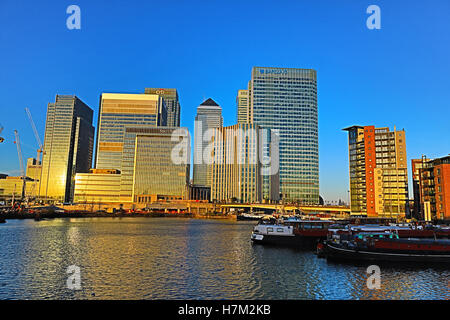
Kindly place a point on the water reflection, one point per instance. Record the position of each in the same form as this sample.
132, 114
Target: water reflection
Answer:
161, 258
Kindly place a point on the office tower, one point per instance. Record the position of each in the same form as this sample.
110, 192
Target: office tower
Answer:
68, 146
117, 112
161, 164
243, 104
121, 116
209, 116
431, 182
285, 99
172, 104
240, 166
33, 169
378, 171
33, 172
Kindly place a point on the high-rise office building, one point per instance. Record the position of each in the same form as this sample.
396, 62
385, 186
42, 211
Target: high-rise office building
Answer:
117, 112
161, 164
134, 158
285, 100
172, 104
155, 167
378, 171
209, 116
243, 105
68, 147
240, 166
431, 183
34, 169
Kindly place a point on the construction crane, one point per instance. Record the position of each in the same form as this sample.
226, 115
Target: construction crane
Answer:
36, 135
1, 129
22, 171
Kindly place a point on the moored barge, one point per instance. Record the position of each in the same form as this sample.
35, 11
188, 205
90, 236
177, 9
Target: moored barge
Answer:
293, 232
384, 247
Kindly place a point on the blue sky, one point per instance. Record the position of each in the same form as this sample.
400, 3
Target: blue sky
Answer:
398, 75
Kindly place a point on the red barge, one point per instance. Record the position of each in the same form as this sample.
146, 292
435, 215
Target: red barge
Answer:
387, 247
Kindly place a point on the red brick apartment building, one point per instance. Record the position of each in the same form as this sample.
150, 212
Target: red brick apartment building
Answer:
431, 185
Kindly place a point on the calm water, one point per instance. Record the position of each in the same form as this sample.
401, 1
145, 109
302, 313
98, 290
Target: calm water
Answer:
145, 258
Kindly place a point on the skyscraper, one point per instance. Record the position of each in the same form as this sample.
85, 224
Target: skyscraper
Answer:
117, 112
209, 116
378, 171
172, 104
239, 165
160, 171
285, 100
68, 146
243, 103
120, 116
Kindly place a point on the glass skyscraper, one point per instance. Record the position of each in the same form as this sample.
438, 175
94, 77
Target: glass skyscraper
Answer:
68, 146
240, 170
285, 99
157, 174
172, 104
119, 117
209, 116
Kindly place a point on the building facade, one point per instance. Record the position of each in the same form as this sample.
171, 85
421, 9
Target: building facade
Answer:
240, 166
68, 147
431, 181
98, 186
161, 164
122, 118
378, 171
117, 112
172, 104
285, 100
243, 106
34, 169
209, 116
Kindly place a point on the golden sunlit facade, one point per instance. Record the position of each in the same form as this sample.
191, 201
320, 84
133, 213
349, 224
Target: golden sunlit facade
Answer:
68, 147
378, 171
236, 172
159, 171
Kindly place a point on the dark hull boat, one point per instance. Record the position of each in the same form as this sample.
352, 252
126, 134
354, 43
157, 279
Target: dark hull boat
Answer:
291, 232
247, 217
386, 248
285, 240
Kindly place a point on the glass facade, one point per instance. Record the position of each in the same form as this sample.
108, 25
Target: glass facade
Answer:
172, 104
209, 116
285, 99
239, 172
243, 103
117, 112
68, 146
120, 116
99, 187
156, 172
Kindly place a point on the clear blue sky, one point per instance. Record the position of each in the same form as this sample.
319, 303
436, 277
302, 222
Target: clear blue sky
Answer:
207, 49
